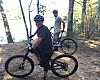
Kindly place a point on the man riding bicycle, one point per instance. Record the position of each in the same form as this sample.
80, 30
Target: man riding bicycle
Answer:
43, 44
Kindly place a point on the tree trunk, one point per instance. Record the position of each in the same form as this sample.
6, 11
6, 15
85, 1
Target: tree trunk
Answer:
70, 19
97, 27
97, 19
83, 18
6, 26
37, 6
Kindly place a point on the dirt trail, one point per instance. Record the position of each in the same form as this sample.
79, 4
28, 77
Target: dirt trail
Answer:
88, 59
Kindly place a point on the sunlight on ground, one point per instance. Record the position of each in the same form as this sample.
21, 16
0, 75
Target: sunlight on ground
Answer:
92, 43
0, 59
97, 69
7, 77
1, 49
60, 53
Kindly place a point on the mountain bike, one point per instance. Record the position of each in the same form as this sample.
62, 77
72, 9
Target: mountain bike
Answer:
20, 66
67, 45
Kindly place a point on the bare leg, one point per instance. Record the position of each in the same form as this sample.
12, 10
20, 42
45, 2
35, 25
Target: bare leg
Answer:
45, 74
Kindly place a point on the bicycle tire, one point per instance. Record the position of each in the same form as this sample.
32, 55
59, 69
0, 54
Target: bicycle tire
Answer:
63, 66
8, 65
68, 46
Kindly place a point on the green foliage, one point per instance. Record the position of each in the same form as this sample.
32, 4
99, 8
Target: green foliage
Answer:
77, 28
1, 39
65, 18
91, 11
42, 9
91, 15
77, 9
77, 16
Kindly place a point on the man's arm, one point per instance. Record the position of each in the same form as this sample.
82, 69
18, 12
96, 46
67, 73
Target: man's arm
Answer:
38, 41
63, 25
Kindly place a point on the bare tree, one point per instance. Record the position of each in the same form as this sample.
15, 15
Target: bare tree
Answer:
97, 16
70, 19
6, 26
37, 6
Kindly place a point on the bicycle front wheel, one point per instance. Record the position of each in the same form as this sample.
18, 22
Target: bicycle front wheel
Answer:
64, 65
68, 46
19, 66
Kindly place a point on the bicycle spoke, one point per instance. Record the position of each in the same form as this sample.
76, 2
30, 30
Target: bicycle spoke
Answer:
68, 46
17, 68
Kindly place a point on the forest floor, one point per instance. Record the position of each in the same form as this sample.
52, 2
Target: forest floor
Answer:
88, 56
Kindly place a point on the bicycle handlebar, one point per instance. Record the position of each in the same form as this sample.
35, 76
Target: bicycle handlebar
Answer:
51, 28
31, 36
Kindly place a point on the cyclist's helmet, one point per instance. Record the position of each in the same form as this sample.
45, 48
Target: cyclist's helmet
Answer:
55, 11
38, 18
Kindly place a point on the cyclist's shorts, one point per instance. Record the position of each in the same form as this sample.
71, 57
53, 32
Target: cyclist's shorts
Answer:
44, 58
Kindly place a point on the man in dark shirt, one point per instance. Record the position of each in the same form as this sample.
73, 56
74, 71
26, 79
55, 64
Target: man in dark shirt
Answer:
43, 44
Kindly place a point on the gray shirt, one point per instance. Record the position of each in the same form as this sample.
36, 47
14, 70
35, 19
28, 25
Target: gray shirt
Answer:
57, 25
46, 44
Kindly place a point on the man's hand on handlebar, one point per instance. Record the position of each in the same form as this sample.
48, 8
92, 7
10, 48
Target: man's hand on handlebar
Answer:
31, 50
31, 36
51, 28
61, 30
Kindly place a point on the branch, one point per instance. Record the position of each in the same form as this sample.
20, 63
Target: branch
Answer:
78, 3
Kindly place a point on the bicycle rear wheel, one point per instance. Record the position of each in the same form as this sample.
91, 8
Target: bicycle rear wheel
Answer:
68, 46
64, 65
16, 67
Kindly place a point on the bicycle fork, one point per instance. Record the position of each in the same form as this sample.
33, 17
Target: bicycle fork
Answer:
22, 64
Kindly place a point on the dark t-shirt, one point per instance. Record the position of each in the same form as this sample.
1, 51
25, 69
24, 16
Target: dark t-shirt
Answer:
46, 44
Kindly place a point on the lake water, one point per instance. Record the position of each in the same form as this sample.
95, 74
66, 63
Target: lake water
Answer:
18, 30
